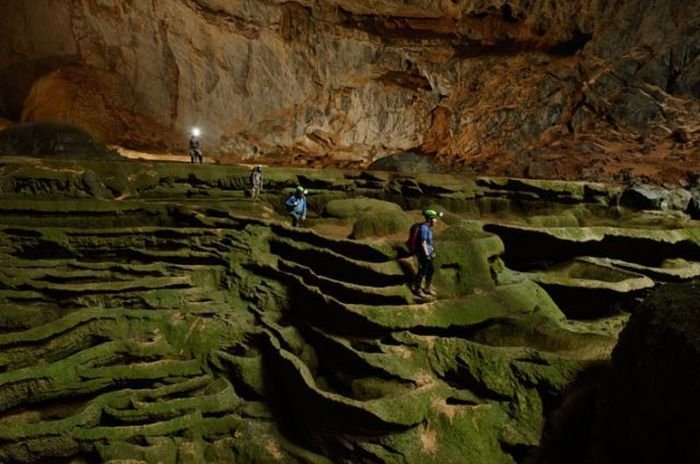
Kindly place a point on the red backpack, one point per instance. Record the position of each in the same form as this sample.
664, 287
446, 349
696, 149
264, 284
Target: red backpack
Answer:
412, 242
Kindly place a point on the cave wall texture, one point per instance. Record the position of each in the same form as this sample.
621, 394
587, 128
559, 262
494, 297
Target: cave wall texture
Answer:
476, 82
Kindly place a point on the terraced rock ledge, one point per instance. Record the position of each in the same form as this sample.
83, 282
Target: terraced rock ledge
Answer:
151, 312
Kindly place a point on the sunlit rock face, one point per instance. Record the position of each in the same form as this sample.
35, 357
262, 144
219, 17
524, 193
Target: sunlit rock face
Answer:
533, 88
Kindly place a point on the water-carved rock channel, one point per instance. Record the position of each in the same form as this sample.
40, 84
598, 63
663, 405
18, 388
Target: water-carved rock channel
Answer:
151, 312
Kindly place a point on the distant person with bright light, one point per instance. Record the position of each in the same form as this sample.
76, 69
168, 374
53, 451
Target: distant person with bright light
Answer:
196, 147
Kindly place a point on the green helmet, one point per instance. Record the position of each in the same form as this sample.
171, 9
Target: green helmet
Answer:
431, 214
301, 189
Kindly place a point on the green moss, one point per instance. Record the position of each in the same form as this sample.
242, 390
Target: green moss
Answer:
248, 371
143, 328
367, 388
17, 317
380, 224
553, 221
489, 205
465, 257
515, 300
318, 201
354, 207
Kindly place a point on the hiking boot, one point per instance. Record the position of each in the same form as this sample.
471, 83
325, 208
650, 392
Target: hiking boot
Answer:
429, 290
416, 290
421, 294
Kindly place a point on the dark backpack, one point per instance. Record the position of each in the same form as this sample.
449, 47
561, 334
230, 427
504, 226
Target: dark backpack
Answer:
412, 242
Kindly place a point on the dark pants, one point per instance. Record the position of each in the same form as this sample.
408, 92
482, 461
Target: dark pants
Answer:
425, 270
296, 218
195, 156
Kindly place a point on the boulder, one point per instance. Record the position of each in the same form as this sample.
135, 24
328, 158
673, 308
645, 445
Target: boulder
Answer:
99, 101
54, 140
679, 199
644, 197
647, 408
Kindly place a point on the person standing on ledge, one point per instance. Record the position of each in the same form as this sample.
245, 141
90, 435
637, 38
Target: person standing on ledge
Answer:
256, 181
195, 147
296, 205
426, 254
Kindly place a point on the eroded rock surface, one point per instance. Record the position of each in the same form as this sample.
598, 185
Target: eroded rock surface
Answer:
657, 357
184, 322
53, 140
640, 409
541, 89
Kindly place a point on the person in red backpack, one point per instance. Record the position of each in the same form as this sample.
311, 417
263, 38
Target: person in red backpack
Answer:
425, 253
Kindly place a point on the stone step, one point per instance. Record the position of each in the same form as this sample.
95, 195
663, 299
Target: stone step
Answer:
347, 291
338, 267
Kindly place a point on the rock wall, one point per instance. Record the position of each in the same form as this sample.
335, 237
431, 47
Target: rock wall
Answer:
501, 86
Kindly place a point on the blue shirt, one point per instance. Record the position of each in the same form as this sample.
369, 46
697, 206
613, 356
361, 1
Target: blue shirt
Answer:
296, 205
425, 234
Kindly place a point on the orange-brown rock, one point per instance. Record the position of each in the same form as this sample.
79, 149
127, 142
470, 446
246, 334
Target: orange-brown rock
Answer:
98, 101
5, 123
491, 85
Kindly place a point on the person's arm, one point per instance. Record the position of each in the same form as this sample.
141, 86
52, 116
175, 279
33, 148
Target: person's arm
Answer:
424, 241
290, 201
303, 210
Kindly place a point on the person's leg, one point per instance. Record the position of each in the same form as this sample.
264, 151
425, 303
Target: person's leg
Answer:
417, 283
429, 271
295, 219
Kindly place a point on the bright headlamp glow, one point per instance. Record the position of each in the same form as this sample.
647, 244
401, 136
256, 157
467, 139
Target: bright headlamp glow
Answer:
196, 131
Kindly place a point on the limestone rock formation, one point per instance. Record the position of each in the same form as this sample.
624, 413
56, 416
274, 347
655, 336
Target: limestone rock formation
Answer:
658, 357
543, 89
98, 101
151, 312
641, 408
52, 140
